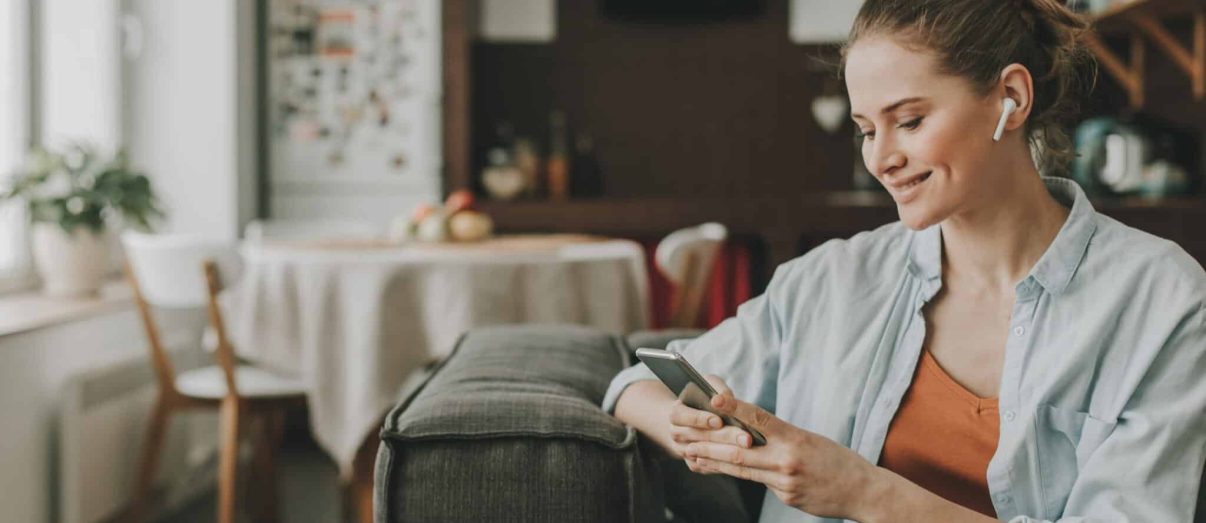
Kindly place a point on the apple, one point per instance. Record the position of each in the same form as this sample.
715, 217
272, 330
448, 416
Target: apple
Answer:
460, 200
470, 226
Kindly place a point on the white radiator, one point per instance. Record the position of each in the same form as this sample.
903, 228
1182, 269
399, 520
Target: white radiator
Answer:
101, 428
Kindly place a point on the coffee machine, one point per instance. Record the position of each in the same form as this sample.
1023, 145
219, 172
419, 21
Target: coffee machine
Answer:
1132, 157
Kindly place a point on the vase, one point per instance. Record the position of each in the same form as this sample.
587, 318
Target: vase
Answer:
70, 264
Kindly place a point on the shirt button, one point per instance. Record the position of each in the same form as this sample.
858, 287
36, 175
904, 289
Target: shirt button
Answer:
1009, 415
1003, 498
1019, 330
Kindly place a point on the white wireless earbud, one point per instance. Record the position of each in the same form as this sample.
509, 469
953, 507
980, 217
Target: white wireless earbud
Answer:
1009, 107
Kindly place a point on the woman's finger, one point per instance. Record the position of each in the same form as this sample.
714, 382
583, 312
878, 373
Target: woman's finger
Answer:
685, 416
722, 452
764, 477
750, 414
729, 435
718, 383
692, 466
687, 435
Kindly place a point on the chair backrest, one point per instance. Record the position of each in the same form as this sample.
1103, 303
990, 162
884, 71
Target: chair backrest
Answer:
292, 230
168, 267
685, 258
179, 271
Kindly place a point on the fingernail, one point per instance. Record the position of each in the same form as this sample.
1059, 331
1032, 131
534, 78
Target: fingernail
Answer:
745, 440
719, 401
714, 423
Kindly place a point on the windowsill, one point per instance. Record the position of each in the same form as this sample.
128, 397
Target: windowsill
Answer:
31, 310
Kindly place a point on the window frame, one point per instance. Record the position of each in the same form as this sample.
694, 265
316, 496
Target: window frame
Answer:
20, 38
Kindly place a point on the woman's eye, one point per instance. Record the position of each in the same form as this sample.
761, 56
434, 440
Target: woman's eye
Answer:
911, 124
866, 135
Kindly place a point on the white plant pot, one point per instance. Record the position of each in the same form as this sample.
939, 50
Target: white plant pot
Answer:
69, 264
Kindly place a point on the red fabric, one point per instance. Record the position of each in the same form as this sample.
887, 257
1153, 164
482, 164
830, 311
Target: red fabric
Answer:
728, 287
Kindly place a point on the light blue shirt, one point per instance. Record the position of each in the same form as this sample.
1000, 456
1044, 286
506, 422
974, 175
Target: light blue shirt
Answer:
1103, 390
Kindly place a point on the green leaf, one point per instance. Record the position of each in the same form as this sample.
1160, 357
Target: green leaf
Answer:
116, 188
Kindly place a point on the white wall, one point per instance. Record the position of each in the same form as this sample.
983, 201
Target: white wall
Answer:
182, 110
81, 86
181, 103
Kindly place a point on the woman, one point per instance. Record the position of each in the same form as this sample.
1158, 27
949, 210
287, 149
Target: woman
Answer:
1004, 351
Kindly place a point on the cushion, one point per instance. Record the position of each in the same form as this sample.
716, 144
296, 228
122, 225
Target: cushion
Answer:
210, 383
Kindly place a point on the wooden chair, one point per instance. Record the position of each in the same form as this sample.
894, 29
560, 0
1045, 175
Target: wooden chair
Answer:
183, 272
686, 258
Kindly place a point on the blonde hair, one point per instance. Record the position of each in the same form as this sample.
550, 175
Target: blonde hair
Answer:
976, 39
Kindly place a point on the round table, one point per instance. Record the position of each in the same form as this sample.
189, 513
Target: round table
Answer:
354, 319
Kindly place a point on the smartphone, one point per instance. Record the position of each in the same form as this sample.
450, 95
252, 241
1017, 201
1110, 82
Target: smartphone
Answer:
691, 388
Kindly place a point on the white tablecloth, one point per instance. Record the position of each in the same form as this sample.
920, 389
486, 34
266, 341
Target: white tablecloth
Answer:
354, 322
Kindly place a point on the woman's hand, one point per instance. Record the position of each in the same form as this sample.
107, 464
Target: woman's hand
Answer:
688, 425
804, 470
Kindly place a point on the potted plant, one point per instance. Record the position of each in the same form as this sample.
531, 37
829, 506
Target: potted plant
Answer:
73, 197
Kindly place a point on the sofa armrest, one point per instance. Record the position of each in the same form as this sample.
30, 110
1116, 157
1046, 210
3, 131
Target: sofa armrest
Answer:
510, 425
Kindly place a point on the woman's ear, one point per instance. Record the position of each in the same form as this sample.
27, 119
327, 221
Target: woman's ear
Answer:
1016, 83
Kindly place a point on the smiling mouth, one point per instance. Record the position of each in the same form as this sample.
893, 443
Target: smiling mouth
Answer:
916, 181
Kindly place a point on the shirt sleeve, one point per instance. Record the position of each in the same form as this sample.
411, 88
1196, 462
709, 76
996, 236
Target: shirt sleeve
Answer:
1149, 467
742, 350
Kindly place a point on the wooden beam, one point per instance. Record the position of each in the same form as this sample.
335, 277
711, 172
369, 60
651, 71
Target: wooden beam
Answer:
1129, 76
457, 19
1154, 30
1138, 66
1199, 54
1191, 62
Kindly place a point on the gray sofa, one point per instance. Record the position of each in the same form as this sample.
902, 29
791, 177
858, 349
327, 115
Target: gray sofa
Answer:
509, 428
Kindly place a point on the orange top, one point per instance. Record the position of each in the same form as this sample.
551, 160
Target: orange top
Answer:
943, 437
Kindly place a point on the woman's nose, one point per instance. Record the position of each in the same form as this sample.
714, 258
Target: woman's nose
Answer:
884, 158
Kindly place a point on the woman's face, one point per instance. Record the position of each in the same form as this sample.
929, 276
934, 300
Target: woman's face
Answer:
927, 136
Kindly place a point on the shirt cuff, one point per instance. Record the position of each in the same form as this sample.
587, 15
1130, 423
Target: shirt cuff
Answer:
622, 380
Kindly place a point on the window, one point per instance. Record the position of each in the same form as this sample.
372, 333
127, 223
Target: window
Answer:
14, 137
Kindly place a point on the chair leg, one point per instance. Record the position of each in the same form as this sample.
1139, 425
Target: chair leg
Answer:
152, 445
361, 488
265, 466
229, 463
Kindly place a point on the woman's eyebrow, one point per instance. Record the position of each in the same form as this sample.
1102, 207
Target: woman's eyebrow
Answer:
895, 105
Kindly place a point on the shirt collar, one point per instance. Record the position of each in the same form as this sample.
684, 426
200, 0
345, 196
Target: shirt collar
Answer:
1054, 269
925, 253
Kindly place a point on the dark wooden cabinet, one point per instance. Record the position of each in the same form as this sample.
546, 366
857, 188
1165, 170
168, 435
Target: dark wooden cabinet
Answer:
710, 123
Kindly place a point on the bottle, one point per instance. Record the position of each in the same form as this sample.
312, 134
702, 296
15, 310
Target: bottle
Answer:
557, 167
588, 178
